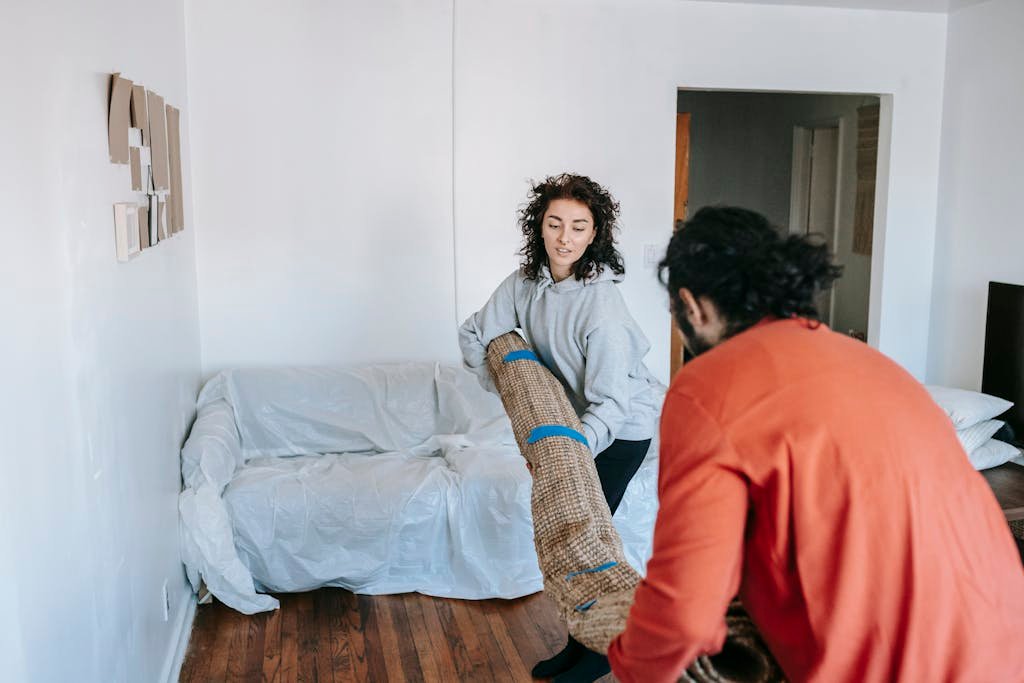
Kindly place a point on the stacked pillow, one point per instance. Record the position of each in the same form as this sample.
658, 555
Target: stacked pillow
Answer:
973, 416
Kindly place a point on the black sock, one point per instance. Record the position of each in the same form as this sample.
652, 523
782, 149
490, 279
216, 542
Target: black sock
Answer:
590, 667
563, 661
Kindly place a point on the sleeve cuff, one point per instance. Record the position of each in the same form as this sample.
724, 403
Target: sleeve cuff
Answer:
592, 440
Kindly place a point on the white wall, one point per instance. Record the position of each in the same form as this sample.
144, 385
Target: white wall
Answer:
980, 230
542, 87
100, 359
12, 651
741, 153
323, 170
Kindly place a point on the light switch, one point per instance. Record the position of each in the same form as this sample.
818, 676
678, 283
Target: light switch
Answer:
651, 255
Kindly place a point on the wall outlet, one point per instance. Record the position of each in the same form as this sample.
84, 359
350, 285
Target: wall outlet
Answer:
165, 602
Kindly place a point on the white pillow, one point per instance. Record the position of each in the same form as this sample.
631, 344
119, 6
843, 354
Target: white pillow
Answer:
973, 437
992, 453
967, 408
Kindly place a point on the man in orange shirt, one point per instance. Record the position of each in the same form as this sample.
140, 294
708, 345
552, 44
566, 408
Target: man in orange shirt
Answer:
816, 478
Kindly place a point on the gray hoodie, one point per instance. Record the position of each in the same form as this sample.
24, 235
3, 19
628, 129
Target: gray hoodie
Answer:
583, 333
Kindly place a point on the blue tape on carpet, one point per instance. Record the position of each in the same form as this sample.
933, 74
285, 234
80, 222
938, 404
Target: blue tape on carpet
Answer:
585, 606
522, 354
592, 570
546, 431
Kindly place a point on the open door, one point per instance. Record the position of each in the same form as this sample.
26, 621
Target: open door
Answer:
682, 197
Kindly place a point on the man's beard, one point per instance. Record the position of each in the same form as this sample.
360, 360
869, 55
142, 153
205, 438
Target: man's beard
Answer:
695, 343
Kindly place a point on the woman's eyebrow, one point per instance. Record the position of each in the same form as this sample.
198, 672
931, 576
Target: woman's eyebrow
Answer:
557, 218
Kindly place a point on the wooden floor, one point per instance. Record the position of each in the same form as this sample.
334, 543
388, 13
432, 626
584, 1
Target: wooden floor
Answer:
333, 635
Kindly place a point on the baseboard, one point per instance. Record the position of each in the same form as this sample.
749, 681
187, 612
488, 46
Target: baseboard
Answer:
183, 630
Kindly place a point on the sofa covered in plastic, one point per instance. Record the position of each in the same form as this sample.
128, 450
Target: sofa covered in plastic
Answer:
378, 479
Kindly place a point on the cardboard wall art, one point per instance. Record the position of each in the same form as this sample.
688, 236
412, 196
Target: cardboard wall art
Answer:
144, 132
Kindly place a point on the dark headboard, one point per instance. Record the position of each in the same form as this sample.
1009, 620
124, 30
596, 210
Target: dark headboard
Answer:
1003, 371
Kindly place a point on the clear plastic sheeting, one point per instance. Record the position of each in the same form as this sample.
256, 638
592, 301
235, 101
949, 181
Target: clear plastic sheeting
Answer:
378, 479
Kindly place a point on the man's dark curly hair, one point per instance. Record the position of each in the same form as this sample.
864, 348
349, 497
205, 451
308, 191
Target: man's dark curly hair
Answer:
602, 205
735, 258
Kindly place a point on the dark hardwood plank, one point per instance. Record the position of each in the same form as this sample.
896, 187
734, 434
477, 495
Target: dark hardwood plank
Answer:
255, 639
495, 656
239, 643
441, 642
199, 655
360, 663
1007, 483
349, 647
331, 635
289, 669
309, 640
411, 667
390, 650
424, 648
226, 627
543, 615
271, 663
341, 635
376, 664
516, 666
326, 615
475, 641
523, 632
457, 639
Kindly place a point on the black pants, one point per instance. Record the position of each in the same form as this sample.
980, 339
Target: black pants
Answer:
616, 466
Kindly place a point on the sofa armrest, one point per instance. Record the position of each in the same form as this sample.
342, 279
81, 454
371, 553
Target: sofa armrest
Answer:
213, 451
211, 456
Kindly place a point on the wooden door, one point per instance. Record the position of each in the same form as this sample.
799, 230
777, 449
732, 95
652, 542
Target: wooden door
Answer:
682, 197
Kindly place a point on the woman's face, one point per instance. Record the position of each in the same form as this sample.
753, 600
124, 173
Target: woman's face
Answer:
568, 229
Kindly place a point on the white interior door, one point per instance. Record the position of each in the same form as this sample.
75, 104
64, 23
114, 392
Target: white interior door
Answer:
814, 195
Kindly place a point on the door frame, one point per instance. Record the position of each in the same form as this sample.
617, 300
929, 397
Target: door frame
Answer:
681, 204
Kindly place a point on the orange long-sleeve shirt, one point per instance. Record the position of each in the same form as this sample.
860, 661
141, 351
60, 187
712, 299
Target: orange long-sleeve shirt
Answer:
816, 477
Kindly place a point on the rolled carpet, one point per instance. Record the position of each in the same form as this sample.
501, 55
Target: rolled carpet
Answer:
579, 552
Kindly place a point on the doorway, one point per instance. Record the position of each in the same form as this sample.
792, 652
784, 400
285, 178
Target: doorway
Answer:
806, 161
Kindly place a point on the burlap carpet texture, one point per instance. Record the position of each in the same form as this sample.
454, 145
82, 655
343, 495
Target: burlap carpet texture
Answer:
579, 552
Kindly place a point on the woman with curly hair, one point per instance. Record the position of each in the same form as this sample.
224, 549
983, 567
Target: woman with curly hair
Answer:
565, 300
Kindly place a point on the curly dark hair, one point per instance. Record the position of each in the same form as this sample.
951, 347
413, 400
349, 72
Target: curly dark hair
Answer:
739, 261
602, 205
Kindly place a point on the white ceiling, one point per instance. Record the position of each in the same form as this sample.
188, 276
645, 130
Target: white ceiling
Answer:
934, 6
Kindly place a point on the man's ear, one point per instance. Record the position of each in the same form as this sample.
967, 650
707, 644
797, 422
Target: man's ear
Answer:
692, 308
